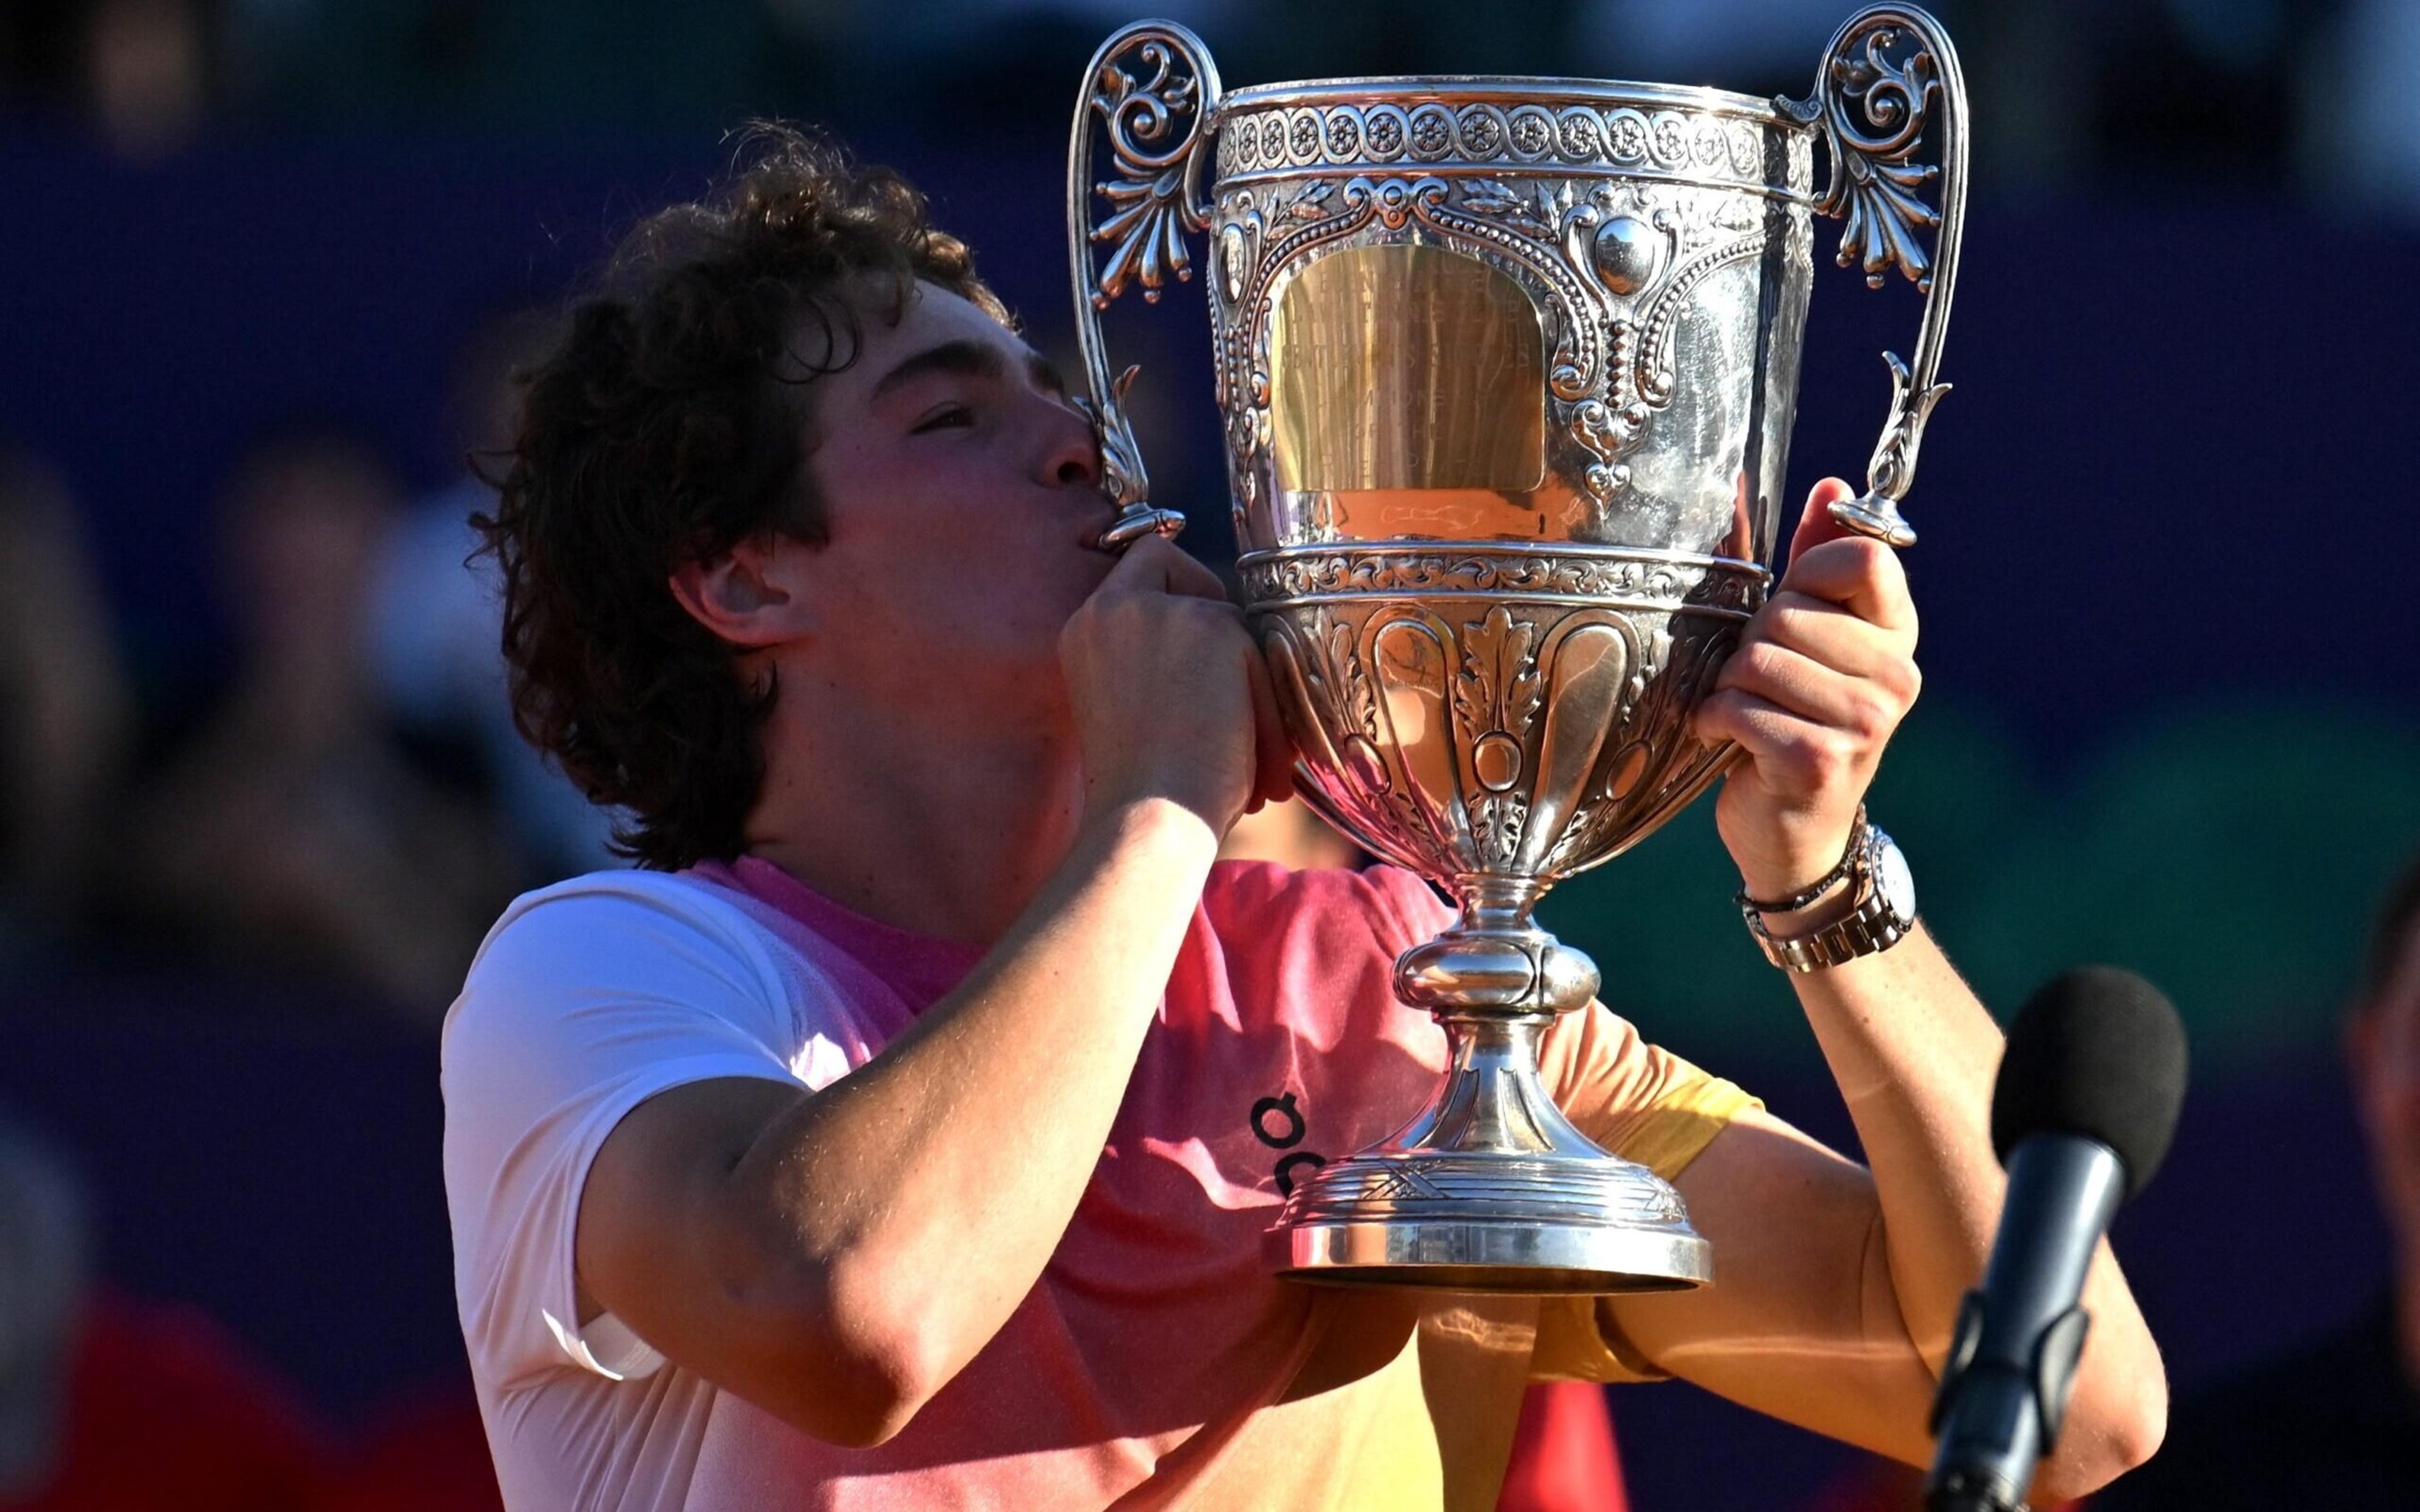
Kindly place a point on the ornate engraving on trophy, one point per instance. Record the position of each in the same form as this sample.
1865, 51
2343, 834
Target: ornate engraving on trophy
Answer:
1495, 694
1618, 273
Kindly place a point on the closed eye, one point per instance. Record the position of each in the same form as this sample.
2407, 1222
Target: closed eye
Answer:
949, 417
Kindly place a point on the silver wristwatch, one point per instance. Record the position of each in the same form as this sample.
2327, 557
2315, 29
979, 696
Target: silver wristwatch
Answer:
1884, 916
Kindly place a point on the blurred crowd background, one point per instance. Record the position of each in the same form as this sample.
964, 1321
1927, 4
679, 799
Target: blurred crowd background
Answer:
267, 265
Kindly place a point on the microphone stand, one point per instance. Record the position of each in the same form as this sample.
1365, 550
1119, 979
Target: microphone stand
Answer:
2012, 1363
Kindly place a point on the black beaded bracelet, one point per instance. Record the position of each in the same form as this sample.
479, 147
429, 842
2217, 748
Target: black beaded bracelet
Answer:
1831, 879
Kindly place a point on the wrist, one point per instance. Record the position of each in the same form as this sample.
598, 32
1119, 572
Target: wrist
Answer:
1808, 879
1865, 904
1827, 908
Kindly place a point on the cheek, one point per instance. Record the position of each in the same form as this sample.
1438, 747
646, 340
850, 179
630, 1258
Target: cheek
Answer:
918, 619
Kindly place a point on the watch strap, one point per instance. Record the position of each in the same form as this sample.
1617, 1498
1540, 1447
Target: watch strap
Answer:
1871, 925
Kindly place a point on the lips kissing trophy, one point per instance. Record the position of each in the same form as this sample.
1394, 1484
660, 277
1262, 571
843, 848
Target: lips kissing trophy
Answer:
1508, 368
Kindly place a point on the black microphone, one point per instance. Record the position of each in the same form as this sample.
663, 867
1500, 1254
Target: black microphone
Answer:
2082, 1114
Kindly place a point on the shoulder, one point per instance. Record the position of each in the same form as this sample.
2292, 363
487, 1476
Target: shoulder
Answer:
606, 946
1383, 905
606, 922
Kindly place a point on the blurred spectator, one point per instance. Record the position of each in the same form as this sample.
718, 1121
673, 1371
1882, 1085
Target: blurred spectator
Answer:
147, 72
1732, 44
64, 710
436, 622
2358, 101
2336, 1424
111, 1405
2190, 90
290, 829
43, 1263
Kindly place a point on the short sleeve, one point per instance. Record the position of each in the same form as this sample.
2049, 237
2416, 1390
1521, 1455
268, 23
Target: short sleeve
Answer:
585, 1001
1644, 1104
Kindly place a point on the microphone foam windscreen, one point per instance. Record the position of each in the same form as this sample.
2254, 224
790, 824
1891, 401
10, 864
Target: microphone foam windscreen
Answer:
2097, 1052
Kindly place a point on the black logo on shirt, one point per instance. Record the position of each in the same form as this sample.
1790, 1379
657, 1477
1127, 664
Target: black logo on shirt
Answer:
1279, 1124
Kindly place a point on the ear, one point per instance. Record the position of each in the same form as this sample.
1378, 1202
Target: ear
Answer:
752, 596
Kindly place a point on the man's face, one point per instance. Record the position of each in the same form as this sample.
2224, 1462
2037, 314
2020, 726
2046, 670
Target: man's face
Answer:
2385, 1053
962, 495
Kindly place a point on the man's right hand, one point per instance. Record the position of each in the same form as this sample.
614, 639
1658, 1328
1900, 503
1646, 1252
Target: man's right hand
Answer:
1172, 698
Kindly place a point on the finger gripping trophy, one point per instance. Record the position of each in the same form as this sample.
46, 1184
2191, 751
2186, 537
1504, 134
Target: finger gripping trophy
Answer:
1508, 368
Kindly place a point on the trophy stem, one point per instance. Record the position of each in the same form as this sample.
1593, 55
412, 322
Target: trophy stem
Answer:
1491, 1188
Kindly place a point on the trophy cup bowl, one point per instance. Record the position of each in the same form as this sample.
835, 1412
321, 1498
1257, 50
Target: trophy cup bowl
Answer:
1508, 368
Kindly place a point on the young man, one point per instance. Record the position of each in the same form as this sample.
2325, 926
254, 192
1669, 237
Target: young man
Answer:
903, 1134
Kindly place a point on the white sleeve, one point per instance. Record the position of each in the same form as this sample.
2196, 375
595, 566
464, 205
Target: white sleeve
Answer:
586, 1000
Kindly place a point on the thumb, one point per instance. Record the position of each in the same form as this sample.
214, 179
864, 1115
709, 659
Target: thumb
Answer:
1817, 526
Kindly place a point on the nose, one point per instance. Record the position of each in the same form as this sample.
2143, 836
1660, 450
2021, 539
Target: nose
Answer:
1071, 454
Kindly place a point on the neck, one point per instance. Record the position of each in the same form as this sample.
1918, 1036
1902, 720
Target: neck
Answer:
908, 819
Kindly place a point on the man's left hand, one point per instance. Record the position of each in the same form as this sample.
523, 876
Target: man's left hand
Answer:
1822, 676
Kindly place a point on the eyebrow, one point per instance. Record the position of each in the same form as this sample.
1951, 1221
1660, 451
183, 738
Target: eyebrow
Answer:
970, 359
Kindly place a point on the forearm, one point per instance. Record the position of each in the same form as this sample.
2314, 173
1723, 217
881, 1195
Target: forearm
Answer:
923, 1194
1914, 1055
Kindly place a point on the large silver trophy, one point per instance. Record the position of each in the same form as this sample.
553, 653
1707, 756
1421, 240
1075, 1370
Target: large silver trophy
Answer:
1508, 368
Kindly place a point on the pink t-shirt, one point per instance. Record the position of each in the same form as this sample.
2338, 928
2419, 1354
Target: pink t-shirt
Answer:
1155, 1363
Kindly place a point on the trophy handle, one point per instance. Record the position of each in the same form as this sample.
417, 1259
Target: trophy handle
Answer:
1154, 93
1872, 112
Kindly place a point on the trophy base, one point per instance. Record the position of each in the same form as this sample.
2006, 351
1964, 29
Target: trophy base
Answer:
1476, 1222
1491, 1188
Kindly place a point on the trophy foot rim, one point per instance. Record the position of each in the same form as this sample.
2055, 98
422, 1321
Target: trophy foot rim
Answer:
1448, 1255
1494, 1221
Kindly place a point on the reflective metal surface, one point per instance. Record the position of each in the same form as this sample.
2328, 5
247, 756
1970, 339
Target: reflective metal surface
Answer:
1409, 369
1508, 368
1491, 1189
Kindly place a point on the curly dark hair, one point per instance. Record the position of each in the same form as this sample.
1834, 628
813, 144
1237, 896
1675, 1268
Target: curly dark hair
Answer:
668, 421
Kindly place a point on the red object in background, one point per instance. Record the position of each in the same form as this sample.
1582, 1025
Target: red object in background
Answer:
430, 1456
1563, 1455
165, 1411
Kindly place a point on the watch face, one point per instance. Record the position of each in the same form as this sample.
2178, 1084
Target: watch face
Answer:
1896, 884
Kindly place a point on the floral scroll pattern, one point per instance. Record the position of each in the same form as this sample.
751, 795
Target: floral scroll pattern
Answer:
1481, 711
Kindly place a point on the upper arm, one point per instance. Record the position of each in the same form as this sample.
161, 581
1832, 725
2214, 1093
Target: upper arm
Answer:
701, 1265
580, 1008
659, 1239
1800, 1323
